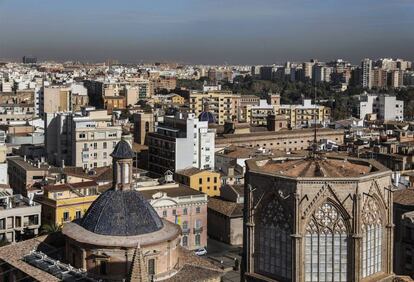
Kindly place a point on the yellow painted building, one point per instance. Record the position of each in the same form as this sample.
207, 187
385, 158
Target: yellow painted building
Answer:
66, 202
205, 181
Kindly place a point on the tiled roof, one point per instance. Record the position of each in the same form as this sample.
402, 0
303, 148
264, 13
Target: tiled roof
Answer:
180, 191
69, 186
317, 167
13, 254
404, 197
123, 151
227, 208
121, 213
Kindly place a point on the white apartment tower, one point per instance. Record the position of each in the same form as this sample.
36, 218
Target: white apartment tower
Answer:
366, 66
180, 142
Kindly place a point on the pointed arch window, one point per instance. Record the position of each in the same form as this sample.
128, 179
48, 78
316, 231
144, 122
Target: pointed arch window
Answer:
273, 250
372, 233
326, 246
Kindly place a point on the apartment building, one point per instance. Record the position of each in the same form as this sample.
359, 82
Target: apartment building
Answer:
382, 106
205, 181
24, 173
84, 139
180, 142
19, 217
54, 99
63, 203
305, 115
224, 105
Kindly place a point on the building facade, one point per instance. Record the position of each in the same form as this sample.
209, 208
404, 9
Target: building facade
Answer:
205, 181
318, 219
224, 105
83, 139
180, 142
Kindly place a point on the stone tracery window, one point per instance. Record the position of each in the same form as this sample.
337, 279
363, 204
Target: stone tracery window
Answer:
371, 238
273, 242
326, 246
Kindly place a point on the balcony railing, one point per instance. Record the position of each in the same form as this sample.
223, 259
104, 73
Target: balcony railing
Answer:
186, 231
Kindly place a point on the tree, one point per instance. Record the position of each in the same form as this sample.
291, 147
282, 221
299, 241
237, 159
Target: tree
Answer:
50, 228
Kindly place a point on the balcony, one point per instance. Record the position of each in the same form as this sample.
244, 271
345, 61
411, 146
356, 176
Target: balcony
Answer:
197, 230
186, 231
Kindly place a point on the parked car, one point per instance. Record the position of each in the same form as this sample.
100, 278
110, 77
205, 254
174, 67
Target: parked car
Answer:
201, 252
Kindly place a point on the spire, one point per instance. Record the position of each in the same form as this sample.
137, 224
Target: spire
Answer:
138, 269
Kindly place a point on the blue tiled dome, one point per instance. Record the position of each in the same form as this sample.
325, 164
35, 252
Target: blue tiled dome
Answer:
207, 116
121, 213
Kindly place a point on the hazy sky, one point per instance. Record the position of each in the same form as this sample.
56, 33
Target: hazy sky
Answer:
207, 31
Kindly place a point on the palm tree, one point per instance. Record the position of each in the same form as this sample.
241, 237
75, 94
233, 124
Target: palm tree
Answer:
51, 228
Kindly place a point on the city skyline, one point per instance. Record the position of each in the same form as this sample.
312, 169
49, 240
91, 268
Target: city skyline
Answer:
234, 32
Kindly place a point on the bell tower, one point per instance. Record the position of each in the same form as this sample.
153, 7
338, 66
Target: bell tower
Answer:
122, 166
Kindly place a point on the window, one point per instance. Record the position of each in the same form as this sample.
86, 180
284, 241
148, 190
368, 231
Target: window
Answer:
184, 241
105, 145
371, 238
174, 212
198, 209
78, 214
95, 145
185, 225
82, 135
200, 181
326, 246
208, 179
185, 211
215, 179
105, 155
273, 244
151, 266
197, 239
164, 213
103, 268
66, 216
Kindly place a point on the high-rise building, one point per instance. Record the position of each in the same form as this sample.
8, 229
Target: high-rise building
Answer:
83, 139
180, 142
317, 218
55, 99
29, 60
366, 67
379, 78
223, 105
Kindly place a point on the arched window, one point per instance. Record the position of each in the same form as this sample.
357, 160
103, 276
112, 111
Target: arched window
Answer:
184, 241
273, 244
326, 246
371, 238
197, 239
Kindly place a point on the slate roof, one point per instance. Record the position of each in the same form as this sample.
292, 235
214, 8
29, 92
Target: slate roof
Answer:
121, 213
123, 151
